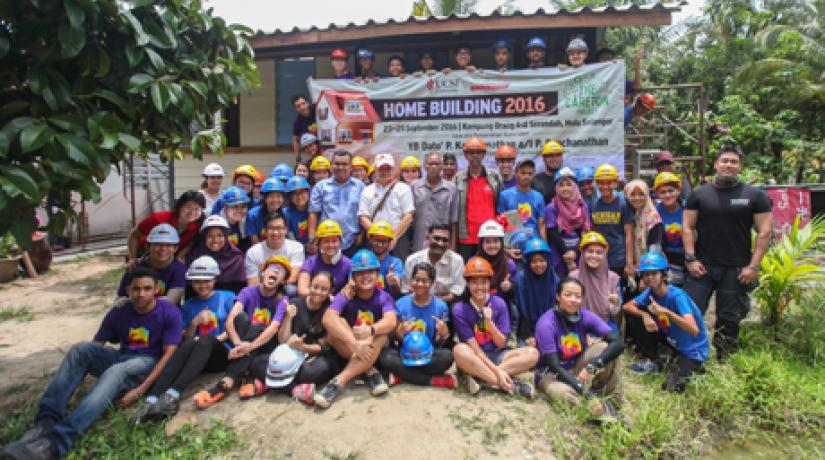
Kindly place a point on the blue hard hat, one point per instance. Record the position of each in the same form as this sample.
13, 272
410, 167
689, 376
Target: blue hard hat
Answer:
416, 349
282, 171
163, 233
652, 261
272, 184
565, 172
233, 196
536, 245
536, 42
365, 53
296, 183
364, 260
585, 173
501, 43
518, 239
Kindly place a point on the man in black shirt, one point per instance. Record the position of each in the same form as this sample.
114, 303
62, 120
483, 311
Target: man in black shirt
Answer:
552, 153
717, 226
304, 122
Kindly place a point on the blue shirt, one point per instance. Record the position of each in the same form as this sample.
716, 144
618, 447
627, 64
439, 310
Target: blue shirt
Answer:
422, 316
530, 206
296, 224
609, 219
390, 262
219, 305
255, 221
339, 202
676, 300
672, 242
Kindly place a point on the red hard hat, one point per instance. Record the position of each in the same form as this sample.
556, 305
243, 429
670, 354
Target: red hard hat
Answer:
506, 151
338, 53
648, 100
475, 143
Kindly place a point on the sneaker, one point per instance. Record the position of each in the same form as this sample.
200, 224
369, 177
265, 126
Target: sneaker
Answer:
327, 396
36, 449
524, 389
303, 393
444, 381
472, 386
377, 384
167, 406
141, 414
645, 367
396, 380
41, 428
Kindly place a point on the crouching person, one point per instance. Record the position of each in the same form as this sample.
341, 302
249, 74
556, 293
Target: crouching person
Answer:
358, 323
570, 367
422, 332
148, 331
483, 324
672, 318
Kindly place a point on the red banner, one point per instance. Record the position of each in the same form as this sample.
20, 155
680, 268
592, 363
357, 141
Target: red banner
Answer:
788, 202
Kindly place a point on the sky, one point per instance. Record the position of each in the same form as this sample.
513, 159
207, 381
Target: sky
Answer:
268, 15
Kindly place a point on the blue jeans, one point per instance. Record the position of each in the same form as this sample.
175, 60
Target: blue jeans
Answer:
116, 372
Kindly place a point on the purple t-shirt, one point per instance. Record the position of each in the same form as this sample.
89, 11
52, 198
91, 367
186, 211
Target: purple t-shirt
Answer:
469, 322
260, 309
340, 271
170, 277
568, 340
359, 312
142, 333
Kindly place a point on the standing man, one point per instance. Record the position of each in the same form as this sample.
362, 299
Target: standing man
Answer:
501, 54
389, 200
304, 122
477, 194
336, 198
506, 162
577, 52
436, 202
536, 49
717, 225
449, 267
663, 161
552, 154
528, 203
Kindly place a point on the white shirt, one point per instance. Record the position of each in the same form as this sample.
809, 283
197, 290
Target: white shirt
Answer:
449, 272
398, 203
210, 202
260, 252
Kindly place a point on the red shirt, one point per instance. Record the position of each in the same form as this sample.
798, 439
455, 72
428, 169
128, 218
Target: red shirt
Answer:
480, 206
168, 217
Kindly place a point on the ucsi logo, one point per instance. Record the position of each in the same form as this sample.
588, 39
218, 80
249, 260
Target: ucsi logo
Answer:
442, 84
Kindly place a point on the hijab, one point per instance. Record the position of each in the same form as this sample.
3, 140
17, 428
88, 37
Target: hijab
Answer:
598, 283
645, 218
535, 294
572, 215
230, 259
499, 263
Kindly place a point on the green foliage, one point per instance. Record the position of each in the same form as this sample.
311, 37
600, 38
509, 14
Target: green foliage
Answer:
85, 83
19, 313
8, 246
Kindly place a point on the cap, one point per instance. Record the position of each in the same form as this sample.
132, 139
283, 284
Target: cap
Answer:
384, 159
213, 169
662, 157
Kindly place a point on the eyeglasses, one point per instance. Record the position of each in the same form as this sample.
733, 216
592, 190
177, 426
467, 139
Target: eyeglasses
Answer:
439, 239
421, 280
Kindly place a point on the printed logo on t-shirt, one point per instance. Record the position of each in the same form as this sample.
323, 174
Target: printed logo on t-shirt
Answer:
739, 201
571, 345
313, 128
211, 324
261, 315
606, 217
138, 338
233, 238
525, 212
482, 334
673, 232
302, 229
419, 325
380, 283
364, 318
663, 321
161, 288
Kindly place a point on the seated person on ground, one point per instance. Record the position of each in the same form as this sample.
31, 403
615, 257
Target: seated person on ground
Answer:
275, 244
329, 259
214, 242
170, 272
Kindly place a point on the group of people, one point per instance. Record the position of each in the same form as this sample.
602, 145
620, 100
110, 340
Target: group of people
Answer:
301, 283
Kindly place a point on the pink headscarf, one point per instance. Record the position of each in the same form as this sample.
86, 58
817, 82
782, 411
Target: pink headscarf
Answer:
572, 214
598, 284
647, 217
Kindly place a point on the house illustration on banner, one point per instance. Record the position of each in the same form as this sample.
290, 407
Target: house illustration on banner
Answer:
345, 118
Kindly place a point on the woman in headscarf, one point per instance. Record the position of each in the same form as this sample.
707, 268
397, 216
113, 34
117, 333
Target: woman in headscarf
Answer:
567, 218
535, 287
647, 224
214, 242
602, 287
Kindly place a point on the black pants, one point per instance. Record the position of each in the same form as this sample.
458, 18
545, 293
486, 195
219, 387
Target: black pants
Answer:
467, 250
248, 332
318, 369
732, 303
679, 373
390, 360
193, 357
646, 342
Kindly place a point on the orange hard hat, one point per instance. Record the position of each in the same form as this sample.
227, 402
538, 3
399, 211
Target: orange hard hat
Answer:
648, 100
506, 151
478, 266
475, 143
259, 178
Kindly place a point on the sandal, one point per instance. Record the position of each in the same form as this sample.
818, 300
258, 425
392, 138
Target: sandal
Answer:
205, 399
251, 390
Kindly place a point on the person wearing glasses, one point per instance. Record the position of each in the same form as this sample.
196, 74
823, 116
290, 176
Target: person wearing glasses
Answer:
449, 267
275, 244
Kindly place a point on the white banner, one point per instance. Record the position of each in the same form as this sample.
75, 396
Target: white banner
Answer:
581, 108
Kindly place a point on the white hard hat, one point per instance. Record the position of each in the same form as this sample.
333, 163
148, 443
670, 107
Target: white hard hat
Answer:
307, 139
577, 44
214, 221
491, 229
163, 233
203, 268
213, 169
284, 363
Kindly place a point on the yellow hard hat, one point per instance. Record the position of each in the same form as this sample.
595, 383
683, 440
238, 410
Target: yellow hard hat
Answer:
606, 172
245, 170
410, 162
552, 148
327, 228
359, 161
380, 228
667, 178
592, 238
320, 163
370, 170
278, 260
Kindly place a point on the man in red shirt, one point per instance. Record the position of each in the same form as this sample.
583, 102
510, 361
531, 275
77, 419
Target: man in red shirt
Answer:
477, 194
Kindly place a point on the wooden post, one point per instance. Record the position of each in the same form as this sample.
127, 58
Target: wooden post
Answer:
27, 263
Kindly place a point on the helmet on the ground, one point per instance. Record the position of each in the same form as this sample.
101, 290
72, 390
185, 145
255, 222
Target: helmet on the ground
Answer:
365, 53
245, 170
536, 42
358, 160
565, 172
203, 268
478, 266
475, 143
214, 221
308, 138
284, 363
652, 261
338, 53
592, 238
577, 44
648, 100
506, 151
282, 171
381, 228
328, 227
213, 169
585, 173
233, 196
320, 163
364, 260
667, 178
273, 184
606, 172
536, 245
552, 148
296, 183
491, 229
163, 233
410, 162
501, 43
277, 260
416, 349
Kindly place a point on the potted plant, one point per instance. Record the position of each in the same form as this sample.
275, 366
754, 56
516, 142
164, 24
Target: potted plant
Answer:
9, 258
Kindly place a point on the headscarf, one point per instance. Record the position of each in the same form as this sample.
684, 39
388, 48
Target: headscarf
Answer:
499, 263
598, 283
646, 218
535, 294
572, 215
230, 259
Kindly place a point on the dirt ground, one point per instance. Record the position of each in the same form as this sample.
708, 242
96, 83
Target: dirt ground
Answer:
67, 304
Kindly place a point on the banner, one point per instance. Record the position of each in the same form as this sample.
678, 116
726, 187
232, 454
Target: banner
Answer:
789, 202
581, 108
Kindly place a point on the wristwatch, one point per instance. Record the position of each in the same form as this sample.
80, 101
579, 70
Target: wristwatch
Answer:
592, 369
690, 257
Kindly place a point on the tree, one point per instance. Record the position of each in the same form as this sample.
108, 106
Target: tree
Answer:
83, 83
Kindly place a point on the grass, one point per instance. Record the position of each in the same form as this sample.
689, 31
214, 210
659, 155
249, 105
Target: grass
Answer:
104, 284
18, 313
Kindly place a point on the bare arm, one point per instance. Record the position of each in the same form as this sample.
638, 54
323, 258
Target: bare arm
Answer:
286, 329
764, 230
303, 284
386, 325
296, 145
403, 225
499, 339
265, 336
174, 295
365, 222
230, 323
132, 395
542, 230
689, 231
473, 344
337, 328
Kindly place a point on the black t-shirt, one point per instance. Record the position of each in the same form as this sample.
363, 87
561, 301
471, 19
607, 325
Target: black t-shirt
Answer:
724, 222
308, 322
546, 185
303, 125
